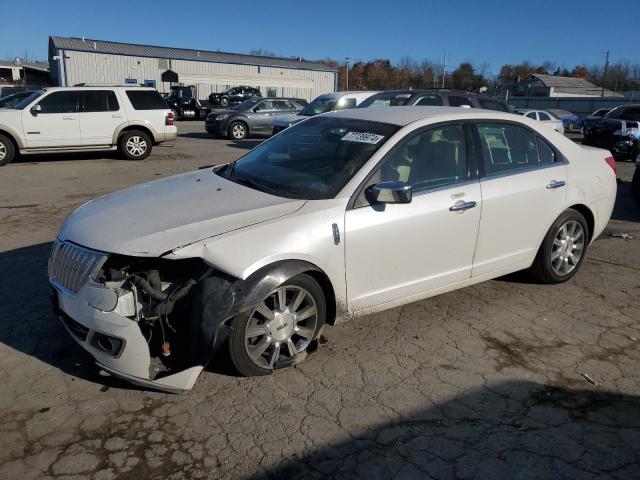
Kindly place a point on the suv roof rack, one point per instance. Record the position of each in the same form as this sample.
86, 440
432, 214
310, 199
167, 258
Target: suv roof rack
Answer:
109, 85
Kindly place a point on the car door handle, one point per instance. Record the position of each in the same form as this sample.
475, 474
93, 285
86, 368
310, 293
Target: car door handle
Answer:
68, 117
117, 116
556, 184
462, 206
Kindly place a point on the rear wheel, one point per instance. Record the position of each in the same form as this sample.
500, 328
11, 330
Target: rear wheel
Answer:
563, 249
277, 332
238, 131
134, 145
7, 150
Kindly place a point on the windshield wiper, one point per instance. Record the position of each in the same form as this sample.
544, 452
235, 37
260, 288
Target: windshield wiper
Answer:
249, 182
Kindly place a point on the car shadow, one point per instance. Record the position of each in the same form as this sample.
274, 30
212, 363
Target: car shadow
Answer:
625, 208
66, 157
200, 135
27, 323
513, 429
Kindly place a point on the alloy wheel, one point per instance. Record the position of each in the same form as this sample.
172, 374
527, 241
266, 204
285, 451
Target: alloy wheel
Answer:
136, 146
238, 131
567, 249
3, 151
281, 326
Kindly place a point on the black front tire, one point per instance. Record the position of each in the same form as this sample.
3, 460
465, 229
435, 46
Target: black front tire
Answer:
224, 102
134, 145
237, 349
542, 268
7, 151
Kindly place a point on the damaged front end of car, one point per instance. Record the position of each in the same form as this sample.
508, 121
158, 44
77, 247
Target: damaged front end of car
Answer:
154, 321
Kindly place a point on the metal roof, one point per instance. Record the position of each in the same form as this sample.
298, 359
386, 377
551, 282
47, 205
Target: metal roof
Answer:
572, 85
116, 48
42, 66
402, 116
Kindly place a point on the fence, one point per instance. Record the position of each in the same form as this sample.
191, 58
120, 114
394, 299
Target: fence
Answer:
581, 106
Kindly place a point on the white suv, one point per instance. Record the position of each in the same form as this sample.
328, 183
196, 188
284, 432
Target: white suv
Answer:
68, 119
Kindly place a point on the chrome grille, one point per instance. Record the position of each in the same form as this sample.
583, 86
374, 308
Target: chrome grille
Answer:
71, 266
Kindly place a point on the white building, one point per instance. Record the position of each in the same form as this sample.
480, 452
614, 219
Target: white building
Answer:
79, 60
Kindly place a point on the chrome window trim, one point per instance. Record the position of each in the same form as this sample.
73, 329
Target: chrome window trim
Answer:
445, 186
518, 171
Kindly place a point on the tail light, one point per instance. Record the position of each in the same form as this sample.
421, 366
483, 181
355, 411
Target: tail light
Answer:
168, 118
612, 163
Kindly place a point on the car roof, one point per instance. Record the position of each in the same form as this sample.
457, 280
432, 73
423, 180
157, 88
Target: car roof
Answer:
402, 116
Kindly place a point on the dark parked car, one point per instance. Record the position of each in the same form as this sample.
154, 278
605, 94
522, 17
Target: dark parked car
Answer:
234, 96
439, 97
254, 116
597, 115
10, 100
618, 131
570, 121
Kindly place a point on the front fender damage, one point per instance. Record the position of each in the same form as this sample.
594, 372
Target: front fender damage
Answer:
185, 309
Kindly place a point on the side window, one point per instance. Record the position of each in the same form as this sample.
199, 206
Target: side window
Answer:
531, 115
455, 101
266, 106
60, 102
507, 147
98, 101
146, 100
428, 159
630, 114
545, 152
543, 117
493, 105
282, 105
430, 99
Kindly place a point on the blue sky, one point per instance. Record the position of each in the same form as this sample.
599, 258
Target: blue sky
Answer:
494, 32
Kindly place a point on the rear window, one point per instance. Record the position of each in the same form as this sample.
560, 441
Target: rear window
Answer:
146, 100
493, 105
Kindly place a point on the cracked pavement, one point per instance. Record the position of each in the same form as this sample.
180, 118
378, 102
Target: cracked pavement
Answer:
506, 379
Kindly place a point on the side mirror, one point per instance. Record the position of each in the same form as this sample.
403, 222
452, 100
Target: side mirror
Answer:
390, 192
36, 109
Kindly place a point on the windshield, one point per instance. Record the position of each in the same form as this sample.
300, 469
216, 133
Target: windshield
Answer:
386, 99
614, 113
247, 104
318, 106
313, 160
26, 101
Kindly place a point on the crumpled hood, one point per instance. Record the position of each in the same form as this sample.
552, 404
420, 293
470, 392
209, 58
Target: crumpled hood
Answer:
155, 217
285, 120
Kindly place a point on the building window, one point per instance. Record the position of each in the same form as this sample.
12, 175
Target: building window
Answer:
150, 83
130, 80
272, 91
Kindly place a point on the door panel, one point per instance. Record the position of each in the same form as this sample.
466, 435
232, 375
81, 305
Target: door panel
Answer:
57, 125
524, 192
400, 250
395, 251
100, 115
262, 120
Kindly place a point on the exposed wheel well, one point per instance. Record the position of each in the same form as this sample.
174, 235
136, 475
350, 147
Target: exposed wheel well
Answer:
588, 215
139, 128
329, 294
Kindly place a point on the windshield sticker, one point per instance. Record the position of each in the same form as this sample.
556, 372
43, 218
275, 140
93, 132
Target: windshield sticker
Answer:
361, 137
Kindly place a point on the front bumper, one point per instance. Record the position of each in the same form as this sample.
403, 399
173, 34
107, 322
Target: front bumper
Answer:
93, 330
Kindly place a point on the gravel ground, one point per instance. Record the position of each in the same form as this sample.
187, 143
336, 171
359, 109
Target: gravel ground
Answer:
507, 379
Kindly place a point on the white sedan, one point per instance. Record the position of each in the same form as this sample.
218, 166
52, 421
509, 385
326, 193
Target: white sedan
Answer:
342, 215
543, 117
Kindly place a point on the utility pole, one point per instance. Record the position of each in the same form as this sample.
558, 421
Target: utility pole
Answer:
604, 75
444, 67
347, 61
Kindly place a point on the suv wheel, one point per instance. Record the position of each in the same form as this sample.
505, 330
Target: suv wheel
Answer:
224, 101
563, 249
7, 150
278, 330
238, 131
134, 145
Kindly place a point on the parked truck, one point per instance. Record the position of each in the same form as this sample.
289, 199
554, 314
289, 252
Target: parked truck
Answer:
183, 100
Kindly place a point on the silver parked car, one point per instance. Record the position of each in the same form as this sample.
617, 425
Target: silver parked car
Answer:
253, 116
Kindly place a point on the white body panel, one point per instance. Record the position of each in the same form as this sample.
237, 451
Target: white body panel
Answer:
51, 129
383, 255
